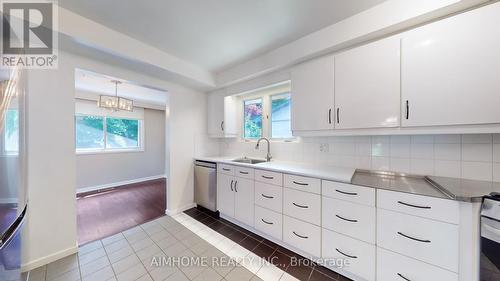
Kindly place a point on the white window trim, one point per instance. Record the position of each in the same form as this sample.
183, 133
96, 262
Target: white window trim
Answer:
91, 151
266, 116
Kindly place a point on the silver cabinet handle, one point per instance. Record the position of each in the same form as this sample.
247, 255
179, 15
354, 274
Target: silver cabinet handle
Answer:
414, 206
243, 173
300, 236
342, 218
346, 193
232, 185
226, 169
330, 116
338, 115
222, 125
404, 278
269, 178
349, 256
407, 110
266, 222
413, 238
300, 183
235, 185
300, 206
266, 196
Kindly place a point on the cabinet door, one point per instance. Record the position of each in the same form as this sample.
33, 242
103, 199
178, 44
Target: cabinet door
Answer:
312, 95
367, 86
221, 117
450, 70
225, 194
215, 111
244, 201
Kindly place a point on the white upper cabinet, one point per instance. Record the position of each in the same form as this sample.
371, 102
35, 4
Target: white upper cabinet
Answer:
367, 86
222, 115
450, 70
313, 95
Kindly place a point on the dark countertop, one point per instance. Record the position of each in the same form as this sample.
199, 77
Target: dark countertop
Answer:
440, 187
395, 182
466, 190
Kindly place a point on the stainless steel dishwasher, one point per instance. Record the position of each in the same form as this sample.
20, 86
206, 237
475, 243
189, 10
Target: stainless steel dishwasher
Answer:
205, 184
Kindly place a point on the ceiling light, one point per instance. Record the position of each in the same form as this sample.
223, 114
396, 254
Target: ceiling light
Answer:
115, 102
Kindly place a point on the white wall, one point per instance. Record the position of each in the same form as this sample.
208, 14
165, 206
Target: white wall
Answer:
460, 156
95, 170
50, 231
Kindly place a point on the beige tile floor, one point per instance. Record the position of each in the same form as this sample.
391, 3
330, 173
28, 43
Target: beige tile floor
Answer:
135, 254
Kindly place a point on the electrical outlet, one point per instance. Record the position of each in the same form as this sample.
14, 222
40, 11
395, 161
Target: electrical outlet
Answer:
324, 147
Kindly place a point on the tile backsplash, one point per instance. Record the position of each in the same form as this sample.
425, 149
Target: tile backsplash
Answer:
461, 156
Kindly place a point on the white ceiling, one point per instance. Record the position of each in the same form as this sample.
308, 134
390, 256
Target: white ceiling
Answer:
89, 84
216, 34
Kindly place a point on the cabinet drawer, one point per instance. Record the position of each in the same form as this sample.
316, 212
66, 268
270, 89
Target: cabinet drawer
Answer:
349, 192
244, 172
302, 235
269, 196
360, 255
225, 169
422, 206
269, 177
302, 205
351, 219
395, 267
423, 239
302, 183
268, 222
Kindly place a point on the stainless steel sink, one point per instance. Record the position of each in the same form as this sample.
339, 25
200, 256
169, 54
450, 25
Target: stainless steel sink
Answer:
248, 160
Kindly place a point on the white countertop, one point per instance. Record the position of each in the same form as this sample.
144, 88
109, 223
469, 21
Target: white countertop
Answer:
309, 170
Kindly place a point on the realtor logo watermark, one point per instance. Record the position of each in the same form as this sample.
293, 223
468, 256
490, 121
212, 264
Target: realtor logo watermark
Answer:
28, 36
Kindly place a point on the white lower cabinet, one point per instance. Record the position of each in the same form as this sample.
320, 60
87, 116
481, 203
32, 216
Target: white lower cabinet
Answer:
302, 205
303, 236
269, 222
393, 236
244, 205
269, 196
235, 196
430, 241
395, 267
357, 221
349, 192
225, 194
417, 205
358, 258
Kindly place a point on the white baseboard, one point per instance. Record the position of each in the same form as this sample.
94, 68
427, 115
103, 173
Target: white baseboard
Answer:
117, 184
170, 212
48, 259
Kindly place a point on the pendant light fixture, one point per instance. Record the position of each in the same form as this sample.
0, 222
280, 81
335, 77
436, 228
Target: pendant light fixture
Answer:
115, 102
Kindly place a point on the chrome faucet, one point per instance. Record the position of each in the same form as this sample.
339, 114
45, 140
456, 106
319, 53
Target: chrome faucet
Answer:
268, 156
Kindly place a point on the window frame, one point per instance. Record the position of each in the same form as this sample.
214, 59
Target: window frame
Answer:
263, 117
266, 114
105, 150
270, 119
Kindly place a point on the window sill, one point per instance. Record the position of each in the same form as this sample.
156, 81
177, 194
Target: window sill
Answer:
113, 151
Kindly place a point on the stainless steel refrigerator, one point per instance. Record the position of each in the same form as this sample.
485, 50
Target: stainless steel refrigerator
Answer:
13, 195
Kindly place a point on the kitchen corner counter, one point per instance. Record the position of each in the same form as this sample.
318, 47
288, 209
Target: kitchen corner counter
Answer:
390, 181
467, 190
438, 187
